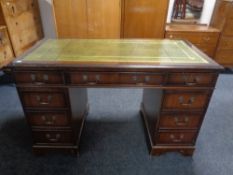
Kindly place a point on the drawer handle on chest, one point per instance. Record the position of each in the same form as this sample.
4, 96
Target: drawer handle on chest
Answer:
181, 123
49, 120
190, 101
175, 139
55, 139
34, 79
49, 98
206, 38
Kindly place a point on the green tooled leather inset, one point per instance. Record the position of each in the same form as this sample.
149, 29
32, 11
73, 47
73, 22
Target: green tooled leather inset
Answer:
116, 51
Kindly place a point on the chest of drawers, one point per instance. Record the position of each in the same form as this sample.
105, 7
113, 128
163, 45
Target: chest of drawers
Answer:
223, 20
205, 38
6, 53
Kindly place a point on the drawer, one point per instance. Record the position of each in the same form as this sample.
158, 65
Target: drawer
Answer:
141, 78
179, 121
195, 37
93, 78
192, 79
100, 78
6, 55
226, 43
39, 78
227, 31
224, 56
6, 52
53, 137
48, 119
209, 50
176, 138
43, 99
185, 100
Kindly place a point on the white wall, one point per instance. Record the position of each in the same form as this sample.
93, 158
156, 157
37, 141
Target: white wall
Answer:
48, 21
206, 13
47, 18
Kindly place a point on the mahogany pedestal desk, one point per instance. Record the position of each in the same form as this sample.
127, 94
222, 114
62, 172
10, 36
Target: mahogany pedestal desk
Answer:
178, 81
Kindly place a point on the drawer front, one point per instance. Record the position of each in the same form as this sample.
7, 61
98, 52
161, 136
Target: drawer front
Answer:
186, 100
179, 121
224, 56
176, 138
192, 79
115, 78
53, 137
39, 78
195, 38
48, 119
93, 78
141, 79
43, 99
6, 55
6, 52
227, 31
208, 50
226, 43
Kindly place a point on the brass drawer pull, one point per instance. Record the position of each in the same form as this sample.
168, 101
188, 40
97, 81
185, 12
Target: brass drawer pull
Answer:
135, 78
51, 139
175, 139
85, 79
147, 79
194, 79
181, 123
49, 120
189, 102
39, 99
35, 78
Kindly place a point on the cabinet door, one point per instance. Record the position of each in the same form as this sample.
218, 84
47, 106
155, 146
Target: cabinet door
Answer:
144, 19
104, 18
70, 18
87, 18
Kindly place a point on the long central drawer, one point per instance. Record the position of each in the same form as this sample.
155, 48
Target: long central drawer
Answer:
102, 78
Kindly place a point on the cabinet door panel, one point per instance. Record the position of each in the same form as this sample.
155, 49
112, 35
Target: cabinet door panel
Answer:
87, 18
144, 19
71, 19
104, 18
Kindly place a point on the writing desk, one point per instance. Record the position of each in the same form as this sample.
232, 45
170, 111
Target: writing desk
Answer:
178, 82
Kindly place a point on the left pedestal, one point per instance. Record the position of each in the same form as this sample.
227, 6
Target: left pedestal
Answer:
55, 114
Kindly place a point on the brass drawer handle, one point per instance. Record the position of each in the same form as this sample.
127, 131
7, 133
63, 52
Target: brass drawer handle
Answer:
35, 79
194, 82
147, 79
181, 123
175, 139
85, 79
49, 120
51, 139
188, 103
39, 99
135, 78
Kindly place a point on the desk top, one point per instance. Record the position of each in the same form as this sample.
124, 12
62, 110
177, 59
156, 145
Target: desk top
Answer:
89, 52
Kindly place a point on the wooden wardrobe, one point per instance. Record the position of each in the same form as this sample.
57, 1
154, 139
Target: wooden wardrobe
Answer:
223, 20
110, 18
